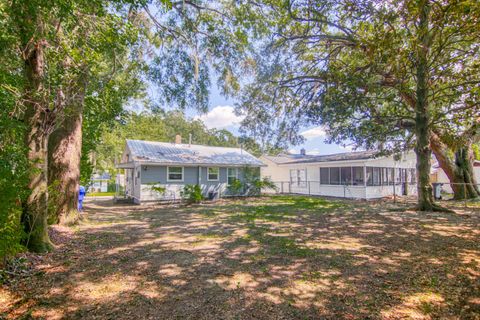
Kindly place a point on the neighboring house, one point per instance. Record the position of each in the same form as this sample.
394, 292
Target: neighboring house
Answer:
359, 175
174, 165
437, 175
99, 182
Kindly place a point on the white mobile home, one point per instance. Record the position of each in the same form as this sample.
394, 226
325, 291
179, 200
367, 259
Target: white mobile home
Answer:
174, 165
360, 175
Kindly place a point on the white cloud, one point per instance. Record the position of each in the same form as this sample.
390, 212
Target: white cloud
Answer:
313, 133
220, 117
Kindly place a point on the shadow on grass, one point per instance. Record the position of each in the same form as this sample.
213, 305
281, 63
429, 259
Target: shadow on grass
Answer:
266, 258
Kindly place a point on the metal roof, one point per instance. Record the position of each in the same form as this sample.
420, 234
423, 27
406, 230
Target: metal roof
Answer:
102, 176
299, 158
170, 153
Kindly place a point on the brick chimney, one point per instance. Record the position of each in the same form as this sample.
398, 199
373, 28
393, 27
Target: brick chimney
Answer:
178, 139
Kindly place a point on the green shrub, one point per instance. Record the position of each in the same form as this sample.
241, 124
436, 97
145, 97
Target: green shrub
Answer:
236, 187
256, 186
158, 189
192, 193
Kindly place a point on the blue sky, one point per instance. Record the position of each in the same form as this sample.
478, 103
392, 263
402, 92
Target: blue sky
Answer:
221, 116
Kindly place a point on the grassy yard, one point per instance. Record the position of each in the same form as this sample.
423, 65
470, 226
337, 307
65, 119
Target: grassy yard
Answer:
268, 258
100, 194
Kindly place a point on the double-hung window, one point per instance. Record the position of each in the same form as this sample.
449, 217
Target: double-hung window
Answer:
324, 175
175, 174
232, 175
298, 177
335, 175
213, 174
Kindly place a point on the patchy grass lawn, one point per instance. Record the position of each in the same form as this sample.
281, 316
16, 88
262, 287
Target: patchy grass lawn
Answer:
282, 257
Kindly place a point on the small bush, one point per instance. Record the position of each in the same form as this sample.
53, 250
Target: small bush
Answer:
258, 184
192, 193
158, 189
236, 187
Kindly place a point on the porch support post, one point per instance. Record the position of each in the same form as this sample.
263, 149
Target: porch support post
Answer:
365, 180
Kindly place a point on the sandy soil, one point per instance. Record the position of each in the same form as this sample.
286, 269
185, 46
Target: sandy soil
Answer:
266, 258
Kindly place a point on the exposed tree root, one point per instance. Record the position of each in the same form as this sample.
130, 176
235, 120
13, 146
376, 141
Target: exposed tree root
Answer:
434, 208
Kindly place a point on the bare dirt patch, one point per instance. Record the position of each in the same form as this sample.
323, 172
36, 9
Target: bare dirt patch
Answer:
267, 258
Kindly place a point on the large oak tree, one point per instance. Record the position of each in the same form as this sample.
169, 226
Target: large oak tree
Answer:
389, 72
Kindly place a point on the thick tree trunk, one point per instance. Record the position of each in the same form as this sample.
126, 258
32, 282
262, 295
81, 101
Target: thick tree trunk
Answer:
422, 113
65, 145
458, 166
34, 216
465, 175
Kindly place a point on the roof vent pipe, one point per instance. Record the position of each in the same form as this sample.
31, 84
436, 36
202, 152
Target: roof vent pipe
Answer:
303, 152
178, 139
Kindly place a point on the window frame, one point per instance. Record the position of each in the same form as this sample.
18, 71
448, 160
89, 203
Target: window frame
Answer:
300, 182
175, 180
218, 174
339, 182
327, 169
229, 176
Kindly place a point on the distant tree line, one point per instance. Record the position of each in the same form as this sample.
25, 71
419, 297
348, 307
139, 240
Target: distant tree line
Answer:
162, 126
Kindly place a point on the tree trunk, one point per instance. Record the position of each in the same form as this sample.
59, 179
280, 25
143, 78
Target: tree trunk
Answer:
422, 113
464, 174
34, 216
65, 147
64, 153
458, 166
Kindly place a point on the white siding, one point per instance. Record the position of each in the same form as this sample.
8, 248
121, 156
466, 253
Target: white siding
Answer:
137, 178
443, 178
273, 171
281, 175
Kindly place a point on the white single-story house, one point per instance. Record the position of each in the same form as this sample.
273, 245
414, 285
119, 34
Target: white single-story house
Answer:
437, 175
99, 182
359, 175
174, 165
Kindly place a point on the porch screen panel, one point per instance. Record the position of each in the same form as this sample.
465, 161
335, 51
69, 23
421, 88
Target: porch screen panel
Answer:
346, 175
373, 176
404, 175
357, 176
398, 176
376, 176
413, 176
384, 176
391, 176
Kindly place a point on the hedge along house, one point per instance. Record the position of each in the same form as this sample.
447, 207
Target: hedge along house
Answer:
360, 175
174, 165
